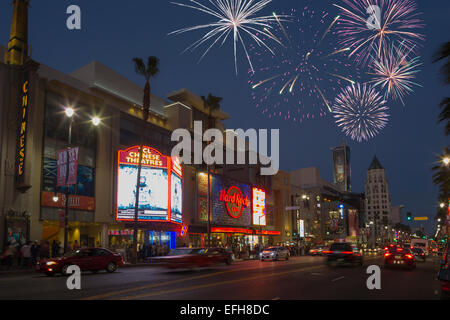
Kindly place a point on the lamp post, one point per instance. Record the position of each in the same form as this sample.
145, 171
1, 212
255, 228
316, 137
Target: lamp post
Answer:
95, 121
69, 113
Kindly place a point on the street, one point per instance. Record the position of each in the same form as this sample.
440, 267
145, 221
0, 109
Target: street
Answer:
300, 278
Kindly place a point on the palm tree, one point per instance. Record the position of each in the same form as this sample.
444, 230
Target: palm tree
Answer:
441, 176
444, 54
211, 103
147, 71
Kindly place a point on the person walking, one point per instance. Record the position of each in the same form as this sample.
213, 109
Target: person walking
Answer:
34, 252
26, 255
8, 255
44, 252
55, 249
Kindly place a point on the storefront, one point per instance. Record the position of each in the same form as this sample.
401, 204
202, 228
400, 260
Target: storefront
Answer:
238, 216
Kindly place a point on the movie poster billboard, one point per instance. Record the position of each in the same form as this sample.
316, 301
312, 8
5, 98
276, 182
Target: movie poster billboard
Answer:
160, 186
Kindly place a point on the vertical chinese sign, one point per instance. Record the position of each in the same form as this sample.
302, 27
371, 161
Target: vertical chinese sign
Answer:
23, 129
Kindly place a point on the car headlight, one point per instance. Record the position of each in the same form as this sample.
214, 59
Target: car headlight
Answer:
272, 253
51, 263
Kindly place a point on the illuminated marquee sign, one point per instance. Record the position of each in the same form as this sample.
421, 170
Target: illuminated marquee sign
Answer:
160, 193
21, 145
234, 201
259, 207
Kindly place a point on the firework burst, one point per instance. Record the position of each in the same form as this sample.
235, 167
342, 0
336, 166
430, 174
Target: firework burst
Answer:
360, 31
360, 111
296, 83
236, 17
395, 71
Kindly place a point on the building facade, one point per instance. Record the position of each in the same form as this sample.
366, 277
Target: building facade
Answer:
378, 202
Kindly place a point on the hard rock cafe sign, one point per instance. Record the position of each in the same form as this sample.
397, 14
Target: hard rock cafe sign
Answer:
234, 201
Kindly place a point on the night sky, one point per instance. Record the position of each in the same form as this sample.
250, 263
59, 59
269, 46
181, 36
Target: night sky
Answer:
115, 31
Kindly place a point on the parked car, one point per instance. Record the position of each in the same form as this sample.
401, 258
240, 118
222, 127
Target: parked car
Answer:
195, 257
88, 259
399, 257
343, 253
275, 253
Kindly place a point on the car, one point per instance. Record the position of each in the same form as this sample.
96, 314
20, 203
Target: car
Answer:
419, 254
275, 253
399, 257
182, 258
316, 251
87, 259
343, 253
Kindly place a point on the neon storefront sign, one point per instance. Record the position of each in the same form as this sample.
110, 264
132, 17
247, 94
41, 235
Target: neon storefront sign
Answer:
234, 201
160, 193
259, 207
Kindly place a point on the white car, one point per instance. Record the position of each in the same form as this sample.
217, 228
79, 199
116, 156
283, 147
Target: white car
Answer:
275, 253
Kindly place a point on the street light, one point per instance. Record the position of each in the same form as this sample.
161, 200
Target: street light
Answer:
96, 121
70, 113
446, 161
442, 205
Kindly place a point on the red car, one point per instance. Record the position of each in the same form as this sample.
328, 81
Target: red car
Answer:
399, 257
195, 257
89, 259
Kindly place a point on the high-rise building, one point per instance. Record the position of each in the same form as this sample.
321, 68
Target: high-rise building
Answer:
341, 168
378, 201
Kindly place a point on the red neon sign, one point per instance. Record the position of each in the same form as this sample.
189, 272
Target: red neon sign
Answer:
234, 201
244, 231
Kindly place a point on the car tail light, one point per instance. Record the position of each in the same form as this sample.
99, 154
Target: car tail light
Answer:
327, 251
409, 256
347, 252
387, 254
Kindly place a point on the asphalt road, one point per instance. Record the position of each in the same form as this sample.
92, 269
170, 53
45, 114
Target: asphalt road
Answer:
300, 278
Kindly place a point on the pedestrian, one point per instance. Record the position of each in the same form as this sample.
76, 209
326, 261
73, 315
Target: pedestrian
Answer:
55, 249
26, 254
44, 252
8, 255
60, 249
34, 252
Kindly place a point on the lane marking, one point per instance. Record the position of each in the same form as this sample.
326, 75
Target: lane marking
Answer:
337, 279
202, 286
115, 293
277, 298
155, 285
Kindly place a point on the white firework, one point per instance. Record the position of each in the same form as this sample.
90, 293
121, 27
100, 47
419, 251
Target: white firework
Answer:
361, 112
234, 16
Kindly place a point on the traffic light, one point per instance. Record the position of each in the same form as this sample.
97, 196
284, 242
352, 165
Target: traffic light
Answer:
409, 216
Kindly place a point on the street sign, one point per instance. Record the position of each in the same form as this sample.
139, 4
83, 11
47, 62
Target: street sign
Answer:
73, 166
67, 157
420, 218
61, 168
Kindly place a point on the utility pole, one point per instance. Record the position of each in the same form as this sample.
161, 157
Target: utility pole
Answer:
66, 213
